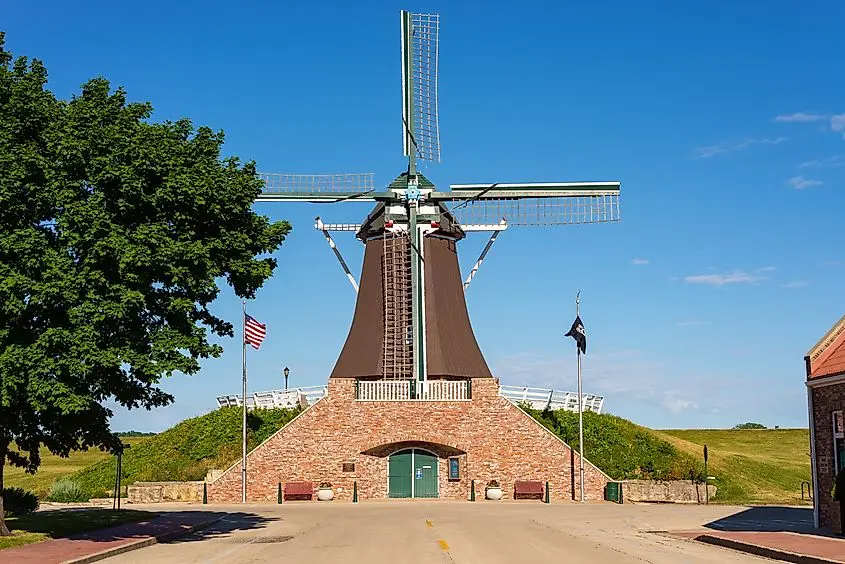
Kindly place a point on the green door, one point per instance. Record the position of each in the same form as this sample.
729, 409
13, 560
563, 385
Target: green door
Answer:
399, 474
412, 473
425, 474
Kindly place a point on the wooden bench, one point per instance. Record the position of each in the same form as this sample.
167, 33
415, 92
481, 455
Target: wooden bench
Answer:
528, 490
299, 490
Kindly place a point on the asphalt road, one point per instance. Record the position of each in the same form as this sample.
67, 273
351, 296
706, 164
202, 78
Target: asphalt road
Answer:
446, 532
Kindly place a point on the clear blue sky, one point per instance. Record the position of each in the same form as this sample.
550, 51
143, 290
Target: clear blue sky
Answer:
724, 121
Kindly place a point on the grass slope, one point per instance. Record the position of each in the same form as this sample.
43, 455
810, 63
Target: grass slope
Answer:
186, 451
55, 467
751, 466
622, 449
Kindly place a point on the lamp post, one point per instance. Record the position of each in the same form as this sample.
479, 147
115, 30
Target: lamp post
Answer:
286, 371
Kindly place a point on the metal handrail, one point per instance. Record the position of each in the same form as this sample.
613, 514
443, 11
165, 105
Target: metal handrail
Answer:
809, 491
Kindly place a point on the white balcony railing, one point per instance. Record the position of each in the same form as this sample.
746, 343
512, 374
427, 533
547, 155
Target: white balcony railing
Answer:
542, 398
400, 390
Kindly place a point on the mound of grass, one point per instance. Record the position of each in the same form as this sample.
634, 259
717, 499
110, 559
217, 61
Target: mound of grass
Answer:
622, 449
754, 466
186, 451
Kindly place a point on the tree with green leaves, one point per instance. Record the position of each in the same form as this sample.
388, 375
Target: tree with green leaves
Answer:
114, 234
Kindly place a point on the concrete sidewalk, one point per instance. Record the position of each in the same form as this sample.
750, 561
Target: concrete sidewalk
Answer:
97, 545
780, 545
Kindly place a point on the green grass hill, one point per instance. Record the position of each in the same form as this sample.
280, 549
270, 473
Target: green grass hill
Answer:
756, 466
186, 451
760, 466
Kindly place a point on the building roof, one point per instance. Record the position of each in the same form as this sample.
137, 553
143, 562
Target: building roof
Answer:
827, 357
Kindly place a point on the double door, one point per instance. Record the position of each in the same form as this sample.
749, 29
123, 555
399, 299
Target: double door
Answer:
412, 473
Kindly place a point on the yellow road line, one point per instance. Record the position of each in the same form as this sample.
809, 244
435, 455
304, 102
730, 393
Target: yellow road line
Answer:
443, 544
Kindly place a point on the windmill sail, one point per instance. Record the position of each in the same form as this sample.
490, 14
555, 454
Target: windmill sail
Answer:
545, 203
317, 187
420, 121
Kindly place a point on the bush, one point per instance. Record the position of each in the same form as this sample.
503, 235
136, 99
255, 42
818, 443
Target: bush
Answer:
838, 491
18, 501
66, 491
749, 426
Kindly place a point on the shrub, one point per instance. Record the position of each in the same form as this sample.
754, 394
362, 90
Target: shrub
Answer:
838, 491
18, 501
749, 426
67, 491
325, 485
493, 484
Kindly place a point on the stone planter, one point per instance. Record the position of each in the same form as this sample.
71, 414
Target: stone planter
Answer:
493, 493
325, 494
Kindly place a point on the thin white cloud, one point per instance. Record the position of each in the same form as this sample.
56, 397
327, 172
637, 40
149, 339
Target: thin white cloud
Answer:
676, 404
719, 280
766, 269
796, 284
639, 261
802, 117
732, 146
834, 263
801, 183
827, 162
837, 123
692, 323
656, 391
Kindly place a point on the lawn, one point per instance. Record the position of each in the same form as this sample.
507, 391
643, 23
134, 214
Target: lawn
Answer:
752, 466
43, 525
54, 467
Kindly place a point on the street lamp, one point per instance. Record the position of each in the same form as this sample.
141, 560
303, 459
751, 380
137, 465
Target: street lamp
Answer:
286, 371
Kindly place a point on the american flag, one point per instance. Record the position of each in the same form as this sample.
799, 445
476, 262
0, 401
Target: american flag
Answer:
254, 332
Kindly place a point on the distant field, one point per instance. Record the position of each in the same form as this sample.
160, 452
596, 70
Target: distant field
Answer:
763, 466
53, 467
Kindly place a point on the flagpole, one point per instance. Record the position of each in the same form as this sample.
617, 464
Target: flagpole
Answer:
243, 459
580, 408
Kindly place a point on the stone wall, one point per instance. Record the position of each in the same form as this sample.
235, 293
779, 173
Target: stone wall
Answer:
674, 491
493, 439
162, 492
826, 400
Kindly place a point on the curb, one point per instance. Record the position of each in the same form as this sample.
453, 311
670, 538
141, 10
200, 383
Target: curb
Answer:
763, 551
128, 547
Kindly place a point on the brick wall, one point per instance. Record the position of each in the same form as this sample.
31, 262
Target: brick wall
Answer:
493, 438
826, 400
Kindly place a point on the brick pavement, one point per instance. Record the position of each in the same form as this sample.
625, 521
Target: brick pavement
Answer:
781, 545
96, 545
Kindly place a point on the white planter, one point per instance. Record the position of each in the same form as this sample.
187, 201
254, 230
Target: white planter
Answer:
494, 493
325, 494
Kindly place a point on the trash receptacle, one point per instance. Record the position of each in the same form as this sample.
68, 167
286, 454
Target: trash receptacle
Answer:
613, 492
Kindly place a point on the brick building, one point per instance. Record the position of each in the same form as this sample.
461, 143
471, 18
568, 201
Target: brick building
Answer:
410, 448
825, 365
395, 435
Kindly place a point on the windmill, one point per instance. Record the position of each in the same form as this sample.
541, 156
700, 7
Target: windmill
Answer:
410, 322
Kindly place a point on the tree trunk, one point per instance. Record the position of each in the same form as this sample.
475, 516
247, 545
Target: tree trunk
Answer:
4, 530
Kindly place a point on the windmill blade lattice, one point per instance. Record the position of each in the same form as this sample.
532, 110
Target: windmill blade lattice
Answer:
419, 68
317, 187
535, 204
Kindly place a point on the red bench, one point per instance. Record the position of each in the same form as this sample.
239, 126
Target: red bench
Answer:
528, 489
299, 490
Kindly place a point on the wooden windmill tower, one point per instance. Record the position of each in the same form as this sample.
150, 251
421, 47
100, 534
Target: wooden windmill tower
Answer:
411, 326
